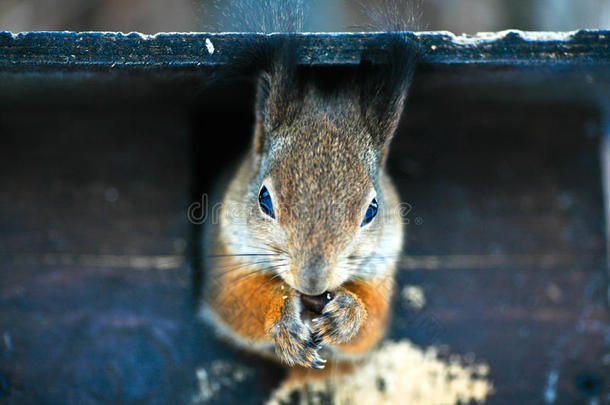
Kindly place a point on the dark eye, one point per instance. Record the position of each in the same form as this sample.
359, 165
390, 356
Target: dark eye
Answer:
371, 211
264, 200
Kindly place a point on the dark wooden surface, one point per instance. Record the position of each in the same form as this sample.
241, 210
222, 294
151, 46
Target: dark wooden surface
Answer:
95, 289
506, 238
515, 188
91, 51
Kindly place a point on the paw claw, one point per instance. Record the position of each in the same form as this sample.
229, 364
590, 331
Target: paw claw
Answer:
340, 320
318, 363
296, 343
321, 318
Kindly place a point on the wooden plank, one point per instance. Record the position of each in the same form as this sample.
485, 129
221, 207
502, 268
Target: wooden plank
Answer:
506, 205
95, 51
64, 174
108, 185
506, 244
605, 172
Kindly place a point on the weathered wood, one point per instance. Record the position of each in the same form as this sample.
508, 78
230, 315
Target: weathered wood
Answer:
506, 236
70, 51
499, 184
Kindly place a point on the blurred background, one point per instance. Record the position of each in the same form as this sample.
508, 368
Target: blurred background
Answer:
151, 16
506, 273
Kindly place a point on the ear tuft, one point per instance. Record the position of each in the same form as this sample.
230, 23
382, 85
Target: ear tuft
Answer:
278, 90
386, 71
263, 87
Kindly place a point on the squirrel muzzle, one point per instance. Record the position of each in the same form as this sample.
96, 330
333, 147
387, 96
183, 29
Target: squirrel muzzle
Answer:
312, 276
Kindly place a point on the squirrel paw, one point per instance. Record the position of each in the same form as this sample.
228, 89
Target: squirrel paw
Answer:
295, 343
340, 320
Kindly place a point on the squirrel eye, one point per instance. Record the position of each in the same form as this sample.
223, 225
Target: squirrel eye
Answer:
371, 211
264, 200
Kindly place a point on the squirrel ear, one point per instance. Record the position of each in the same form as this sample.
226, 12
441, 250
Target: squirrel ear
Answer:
274, 104
384, 112
386, 76
263, 87
383, 122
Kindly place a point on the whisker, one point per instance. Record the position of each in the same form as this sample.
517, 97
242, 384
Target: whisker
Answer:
268, 269
268, 281
361, 265
251, 264
243, 254
252, 274
270, 247
255, 262
261, 245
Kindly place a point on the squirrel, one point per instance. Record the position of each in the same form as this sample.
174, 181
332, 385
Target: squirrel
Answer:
300, 263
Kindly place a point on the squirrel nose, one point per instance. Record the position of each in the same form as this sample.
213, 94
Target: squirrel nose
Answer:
310, 285
312, 277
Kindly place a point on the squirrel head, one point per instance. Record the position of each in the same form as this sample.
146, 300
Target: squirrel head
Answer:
317, 192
